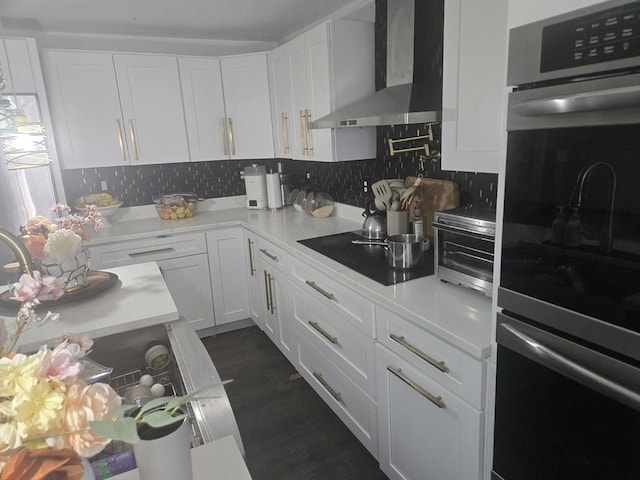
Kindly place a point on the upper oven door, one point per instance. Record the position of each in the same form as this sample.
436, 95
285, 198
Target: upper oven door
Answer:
571, 233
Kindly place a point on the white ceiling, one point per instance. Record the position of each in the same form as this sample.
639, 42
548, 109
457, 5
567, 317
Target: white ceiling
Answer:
226, 20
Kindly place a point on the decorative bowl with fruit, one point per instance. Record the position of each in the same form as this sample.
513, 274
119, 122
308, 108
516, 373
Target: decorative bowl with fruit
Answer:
175, 207
106, 204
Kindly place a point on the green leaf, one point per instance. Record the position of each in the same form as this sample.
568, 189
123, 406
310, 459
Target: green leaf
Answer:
123, 429
160, 418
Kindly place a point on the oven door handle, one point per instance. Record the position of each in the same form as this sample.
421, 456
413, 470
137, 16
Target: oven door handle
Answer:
550, 358
445, 227
622, 97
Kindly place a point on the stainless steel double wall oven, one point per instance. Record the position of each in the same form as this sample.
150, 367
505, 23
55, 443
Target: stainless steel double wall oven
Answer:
568, 360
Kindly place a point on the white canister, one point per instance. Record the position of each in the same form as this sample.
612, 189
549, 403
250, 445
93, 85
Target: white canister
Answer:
256, 186
274, 195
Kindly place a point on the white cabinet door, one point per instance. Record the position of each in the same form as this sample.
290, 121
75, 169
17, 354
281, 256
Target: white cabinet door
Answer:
246, 95
85, 108
474, 84
281, 109
204, 107
17, 71
228, 269
425, 432
151, 100
330, 66
188, 281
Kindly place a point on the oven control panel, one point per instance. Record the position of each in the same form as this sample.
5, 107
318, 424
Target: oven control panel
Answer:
611, 34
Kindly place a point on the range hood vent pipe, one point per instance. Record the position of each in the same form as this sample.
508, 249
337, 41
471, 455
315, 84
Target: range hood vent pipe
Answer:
413, 70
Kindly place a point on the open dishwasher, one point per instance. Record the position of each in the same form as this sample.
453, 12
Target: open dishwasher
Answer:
189, 369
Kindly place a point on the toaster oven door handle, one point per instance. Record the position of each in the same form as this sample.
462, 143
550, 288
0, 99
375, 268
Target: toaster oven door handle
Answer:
462, 231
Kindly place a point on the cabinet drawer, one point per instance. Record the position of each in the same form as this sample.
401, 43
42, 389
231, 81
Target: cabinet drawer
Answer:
356, 309
352, 405
273, 255
146, 250
455, 370
345, 345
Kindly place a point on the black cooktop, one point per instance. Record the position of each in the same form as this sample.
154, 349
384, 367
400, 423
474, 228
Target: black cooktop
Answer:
368, 260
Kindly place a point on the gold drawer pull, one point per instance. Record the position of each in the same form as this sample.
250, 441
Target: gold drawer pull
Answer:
439, 365
285, 133
150, 252
266, 289
322, 332
120, 140
272, 257
273, 300
232, 140
252, 269
223, 135
313, 285
437, 401
134, 144
335, 394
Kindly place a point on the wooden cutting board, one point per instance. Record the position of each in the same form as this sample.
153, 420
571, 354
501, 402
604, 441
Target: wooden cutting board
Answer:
432, 195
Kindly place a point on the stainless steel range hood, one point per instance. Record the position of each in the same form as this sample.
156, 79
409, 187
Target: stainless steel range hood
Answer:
414, 79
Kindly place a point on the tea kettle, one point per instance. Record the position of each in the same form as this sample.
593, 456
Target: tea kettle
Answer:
375, 224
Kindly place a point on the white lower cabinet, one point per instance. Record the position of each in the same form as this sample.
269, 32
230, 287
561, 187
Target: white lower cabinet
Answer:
426, 432
228, 267
183, 262
275, 298
352, 405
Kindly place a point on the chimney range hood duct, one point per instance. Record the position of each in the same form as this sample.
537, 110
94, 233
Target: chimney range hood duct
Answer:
414, 78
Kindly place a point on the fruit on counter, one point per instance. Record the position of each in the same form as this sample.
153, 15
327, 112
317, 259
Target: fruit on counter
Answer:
174, 207
102, 199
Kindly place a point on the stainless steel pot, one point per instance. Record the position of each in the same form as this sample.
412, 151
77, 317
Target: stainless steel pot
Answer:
404, 251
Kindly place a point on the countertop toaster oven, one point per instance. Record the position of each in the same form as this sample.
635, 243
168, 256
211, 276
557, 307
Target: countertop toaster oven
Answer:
464, 241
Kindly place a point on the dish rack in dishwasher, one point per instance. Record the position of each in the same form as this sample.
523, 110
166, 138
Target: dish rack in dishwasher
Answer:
172, 382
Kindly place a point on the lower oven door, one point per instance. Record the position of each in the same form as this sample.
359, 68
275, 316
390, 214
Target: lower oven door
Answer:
563, 411
464, 257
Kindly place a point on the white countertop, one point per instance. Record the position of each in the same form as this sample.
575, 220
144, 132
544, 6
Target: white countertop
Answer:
139, 299
455, 314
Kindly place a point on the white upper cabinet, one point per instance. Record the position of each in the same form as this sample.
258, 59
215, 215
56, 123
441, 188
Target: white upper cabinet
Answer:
245, 80
18, 76
227, 106
281, 107
325, 68
111, 110
151, 103
474, 84
204, 107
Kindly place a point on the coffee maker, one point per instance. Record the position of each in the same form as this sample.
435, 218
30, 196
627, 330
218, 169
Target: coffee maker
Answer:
256, 186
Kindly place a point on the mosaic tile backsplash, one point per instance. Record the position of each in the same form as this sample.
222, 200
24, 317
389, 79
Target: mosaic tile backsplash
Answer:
136, 185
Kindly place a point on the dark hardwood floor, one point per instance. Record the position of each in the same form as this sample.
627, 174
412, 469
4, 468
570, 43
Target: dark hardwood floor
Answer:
288, 431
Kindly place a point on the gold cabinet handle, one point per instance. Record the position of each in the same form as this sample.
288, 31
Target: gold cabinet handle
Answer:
273, 299
285, 132
303, 137
252, 269
266, 289
307, 128
120, 140
437, 401
134, 145
232, 141
323, 332
435, 363
151, 252
313, 285
272, 257
335, 394
223, 135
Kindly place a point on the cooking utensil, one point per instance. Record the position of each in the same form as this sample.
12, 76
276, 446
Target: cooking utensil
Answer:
375, 224
404, 251
382, 191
